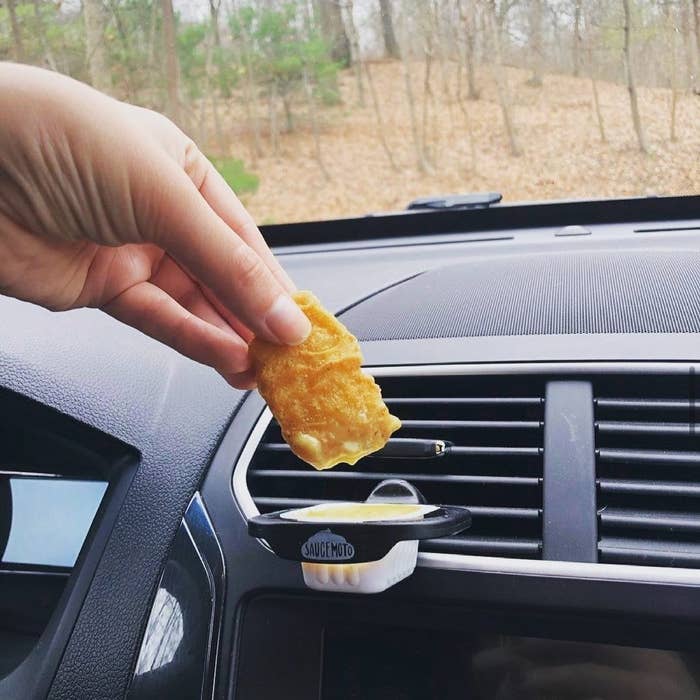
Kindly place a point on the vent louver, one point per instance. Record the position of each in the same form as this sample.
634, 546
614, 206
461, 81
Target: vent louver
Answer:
648, 471
494, 465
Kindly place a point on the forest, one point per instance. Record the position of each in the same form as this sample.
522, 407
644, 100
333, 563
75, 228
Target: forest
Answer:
328, 108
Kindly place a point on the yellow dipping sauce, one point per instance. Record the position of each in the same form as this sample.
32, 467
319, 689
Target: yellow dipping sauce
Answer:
359, 512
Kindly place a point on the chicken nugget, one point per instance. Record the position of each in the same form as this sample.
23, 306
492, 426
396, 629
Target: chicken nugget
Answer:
329, 410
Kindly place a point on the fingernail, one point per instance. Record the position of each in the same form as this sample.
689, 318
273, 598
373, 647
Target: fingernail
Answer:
287, 322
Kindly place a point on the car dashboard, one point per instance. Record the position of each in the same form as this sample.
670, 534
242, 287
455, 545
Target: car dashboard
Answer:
551, 347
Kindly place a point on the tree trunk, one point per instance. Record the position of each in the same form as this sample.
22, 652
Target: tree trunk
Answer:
288, 115
598, 112
152, 35
380, 121
18, 47
40, 30
355, 50
391, 46
468, 21
210, 94
631, 87
314, 123
172, 65
124, 40
470, 133
427, 97
535, 23
696, 24
252, 108
214, 8
272, 109
420, 156
672, 78
330, 17
501, 80
692, 60
95, 23
577, 38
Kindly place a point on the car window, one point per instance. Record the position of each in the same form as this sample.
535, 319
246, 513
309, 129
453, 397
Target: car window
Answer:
333, 108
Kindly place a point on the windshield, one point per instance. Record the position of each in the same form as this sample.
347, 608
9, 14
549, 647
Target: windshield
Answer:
333, 108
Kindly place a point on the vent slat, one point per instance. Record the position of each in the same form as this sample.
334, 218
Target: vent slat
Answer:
379, 476
648, 456
645, 404
471, 451
625, 428
619, 518
467, 401
649, 488
503, 547
610, 554
438, 425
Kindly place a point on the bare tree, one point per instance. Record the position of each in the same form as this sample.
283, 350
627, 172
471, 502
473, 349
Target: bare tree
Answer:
214, 8
172, 65
152, 36
391, 46
692, 52
596, 96
467, 15
577, 37
671, 31
210, 90
311, 102
535, 26
380, 120
629, 74
330, 17
355, 50
421, 161
95, 23
127, 50
250, 88
696, 23
272, 117
18, 47
501, 79
40, 31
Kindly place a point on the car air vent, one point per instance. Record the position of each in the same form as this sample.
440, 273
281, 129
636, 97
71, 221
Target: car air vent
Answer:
648, 470
494, 426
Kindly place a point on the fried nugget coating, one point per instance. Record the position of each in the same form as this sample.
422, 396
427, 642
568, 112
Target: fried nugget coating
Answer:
329, 410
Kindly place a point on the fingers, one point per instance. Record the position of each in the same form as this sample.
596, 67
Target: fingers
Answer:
175, 282
189, 229
224, 202
154, 312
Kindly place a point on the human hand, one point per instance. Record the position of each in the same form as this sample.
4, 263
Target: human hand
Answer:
107, 205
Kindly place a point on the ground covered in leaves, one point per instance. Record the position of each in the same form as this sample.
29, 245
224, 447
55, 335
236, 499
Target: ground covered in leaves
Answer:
563, 153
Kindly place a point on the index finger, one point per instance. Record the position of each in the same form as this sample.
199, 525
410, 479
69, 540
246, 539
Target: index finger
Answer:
222, 199
184, 224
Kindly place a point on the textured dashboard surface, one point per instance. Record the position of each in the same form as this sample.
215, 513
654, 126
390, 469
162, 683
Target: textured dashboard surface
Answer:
582, 293
172, 410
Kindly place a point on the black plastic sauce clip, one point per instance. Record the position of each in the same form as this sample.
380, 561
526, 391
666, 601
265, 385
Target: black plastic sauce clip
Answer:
349, 542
